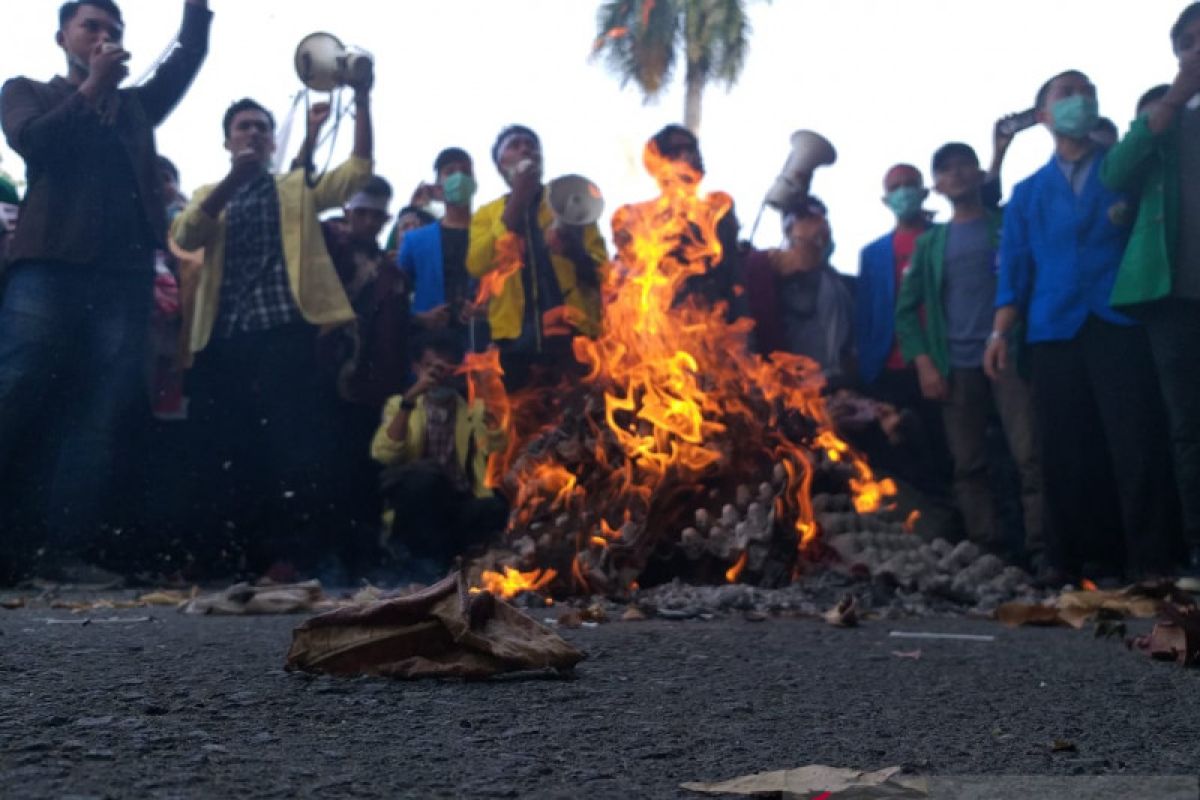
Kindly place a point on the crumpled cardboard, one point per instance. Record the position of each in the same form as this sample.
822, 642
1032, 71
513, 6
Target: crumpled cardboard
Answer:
440, 631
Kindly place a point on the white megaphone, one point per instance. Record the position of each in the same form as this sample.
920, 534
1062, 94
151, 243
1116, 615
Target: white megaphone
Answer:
575, 200
323, 63
809, 151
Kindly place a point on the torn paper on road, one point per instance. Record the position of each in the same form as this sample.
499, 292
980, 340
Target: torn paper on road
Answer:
243, 598
440, 631
817, 780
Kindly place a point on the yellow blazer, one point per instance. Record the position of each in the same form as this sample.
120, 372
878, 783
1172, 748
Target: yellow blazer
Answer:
315, 285
506, 311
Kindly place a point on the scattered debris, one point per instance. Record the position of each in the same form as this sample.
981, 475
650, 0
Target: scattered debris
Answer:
243, 598
958, 637
441, 631
1077, 608
819, 781
633, 614
1063, 746
98, 621
1176, 637
915, 655
844, 614
12, 603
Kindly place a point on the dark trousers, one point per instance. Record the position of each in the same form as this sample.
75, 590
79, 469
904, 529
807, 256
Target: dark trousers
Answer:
923, 459
434, 519
1110, 495
967, 415
72, 358
261, 431
1174, 330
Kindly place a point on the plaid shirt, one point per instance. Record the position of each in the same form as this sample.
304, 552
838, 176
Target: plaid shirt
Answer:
440, 415
255, 294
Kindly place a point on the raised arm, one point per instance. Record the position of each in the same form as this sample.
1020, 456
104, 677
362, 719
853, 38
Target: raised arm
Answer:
171, 80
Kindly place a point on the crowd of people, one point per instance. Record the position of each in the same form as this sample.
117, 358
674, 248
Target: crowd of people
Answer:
240, 382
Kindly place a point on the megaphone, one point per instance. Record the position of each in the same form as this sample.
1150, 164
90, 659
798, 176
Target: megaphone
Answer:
323, 63
809, 151
575, 200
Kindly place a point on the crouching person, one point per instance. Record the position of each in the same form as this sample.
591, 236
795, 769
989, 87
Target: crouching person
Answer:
434, 447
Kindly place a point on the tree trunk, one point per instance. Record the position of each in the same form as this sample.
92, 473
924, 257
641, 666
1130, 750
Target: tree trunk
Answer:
691, 102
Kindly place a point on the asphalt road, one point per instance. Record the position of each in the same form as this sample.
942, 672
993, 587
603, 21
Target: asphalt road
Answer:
184, 707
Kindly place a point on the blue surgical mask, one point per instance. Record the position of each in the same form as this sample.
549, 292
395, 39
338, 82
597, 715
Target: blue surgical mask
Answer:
1075, 116
905, 202
458, 189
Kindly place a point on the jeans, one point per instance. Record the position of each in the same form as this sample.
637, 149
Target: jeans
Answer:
72, 360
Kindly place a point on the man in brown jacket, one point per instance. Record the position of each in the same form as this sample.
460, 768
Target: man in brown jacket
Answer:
79, 288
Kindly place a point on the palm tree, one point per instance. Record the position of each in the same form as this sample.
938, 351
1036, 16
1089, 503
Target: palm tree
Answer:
643, 40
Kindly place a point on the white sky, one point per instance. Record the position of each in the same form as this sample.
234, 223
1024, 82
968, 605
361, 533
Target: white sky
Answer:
885, 81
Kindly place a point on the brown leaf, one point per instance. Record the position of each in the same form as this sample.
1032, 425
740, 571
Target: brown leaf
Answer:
817, 780
1063, 746
633, 614
426, 634
571, 618
12, 603
844, 614
1013, 615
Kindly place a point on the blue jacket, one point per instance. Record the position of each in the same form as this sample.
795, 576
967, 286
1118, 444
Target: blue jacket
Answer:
875, 307
421, 257
1059, 253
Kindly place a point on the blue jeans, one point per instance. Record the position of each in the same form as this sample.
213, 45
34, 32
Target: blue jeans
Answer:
72, 360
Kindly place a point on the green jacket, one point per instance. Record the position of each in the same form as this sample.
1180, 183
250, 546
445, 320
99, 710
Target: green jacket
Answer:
923, 288
1146, 165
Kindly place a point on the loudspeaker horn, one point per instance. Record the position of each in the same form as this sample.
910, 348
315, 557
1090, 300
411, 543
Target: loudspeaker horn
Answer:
575, 200
323, 63
809, 151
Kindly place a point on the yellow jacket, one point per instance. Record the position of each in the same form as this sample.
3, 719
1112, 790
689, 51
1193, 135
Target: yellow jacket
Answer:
316, 287
469, 427
506, 311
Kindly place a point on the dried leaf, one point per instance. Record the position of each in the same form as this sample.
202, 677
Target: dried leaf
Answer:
1063, 746
844, 614
818, 780
12, 603
1013, 615
571, 618
425, 634
915, 655
633, 614
242, 598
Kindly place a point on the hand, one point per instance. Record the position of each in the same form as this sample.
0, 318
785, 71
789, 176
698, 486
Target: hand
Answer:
435, 318
318, 115
247, 165
933, 385
1187, 81
995, 358
471, 311
425, 193
563, 240
428, 378
106, 69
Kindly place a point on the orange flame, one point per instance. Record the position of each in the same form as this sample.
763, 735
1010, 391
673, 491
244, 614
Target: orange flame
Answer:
910, 522
513, 582
685, 402
733, 573
1089, 586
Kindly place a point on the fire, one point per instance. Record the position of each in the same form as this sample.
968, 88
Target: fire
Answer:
735, 572
910, 522
513, 582
1089, 586
675, 405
